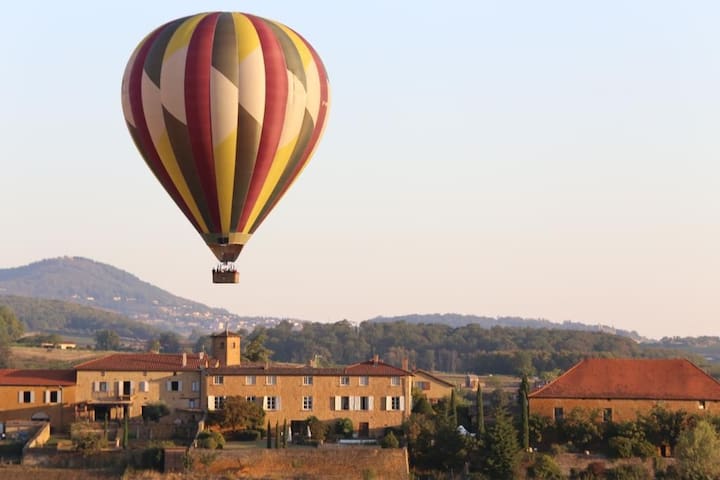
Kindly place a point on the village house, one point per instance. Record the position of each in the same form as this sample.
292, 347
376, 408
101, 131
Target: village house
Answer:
620, 389
433, 387
47, 395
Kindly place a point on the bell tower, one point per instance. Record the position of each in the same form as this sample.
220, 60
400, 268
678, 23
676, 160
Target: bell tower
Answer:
226, 348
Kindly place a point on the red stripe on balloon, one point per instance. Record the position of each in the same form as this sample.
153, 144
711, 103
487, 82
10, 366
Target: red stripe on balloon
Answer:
141, 133
197, 110
276, 92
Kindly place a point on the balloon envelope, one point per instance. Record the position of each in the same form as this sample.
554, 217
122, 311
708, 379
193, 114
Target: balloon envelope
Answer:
226, 109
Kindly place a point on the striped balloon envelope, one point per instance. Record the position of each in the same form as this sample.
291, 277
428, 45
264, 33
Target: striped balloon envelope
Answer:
226, 109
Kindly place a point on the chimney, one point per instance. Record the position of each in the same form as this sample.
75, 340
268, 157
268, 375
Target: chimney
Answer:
184, 359
405, 364
376, 359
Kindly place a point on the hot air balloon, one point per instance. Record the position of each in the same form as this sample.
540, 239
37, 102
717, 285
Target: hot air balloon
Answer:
226, 109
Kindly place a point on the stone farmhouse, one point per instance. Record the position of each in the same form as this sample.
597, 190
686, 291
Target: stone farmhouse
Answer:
623, 388
373, 394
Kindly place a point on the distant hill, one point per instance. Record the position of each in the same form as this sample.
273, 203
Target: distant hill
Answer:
457, 320
65, 318
98, 285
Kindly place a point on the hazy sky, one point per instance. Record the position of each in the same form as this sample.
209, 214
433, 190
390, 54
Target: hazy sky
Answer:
551, 159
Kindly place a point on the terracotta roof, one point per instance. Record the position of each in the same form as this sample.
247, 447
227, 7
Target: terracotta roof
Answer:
375, 367
657, 379
424, 373
144, 361
37, 377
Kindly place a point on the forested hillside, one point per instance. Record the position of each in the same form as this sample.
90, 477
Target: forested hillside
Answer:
55, 316
469, 348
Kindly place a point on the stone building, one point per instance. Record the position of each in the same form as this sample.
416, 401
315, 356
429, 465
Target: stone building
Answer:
620, 389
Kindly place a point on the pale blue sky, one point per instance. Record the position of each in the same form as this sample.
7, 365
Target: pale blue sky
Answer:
542, 159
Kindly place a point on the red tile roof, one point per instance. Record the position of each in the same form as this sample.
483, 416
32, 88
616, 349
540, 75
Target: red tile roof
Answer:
37, 377
144, 361
656, 379
368, 368
375, 368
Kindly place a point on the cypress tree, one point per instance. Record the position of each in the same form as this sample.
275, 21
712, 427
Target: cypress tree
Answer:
480, 411
453, 409
125, 432
284, 434
269, 436
502, 448
277, 434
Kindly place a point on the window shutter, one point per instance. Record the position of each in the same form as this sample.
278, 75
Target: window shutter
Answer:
59, 396
180, 386
356, 401
370, 403
47, 396
32, 397
388, 403
402, 404
96, 386
168, 385
265, 403
277, 403
118, 388
20, 397
211, 403
132, 387
338, 404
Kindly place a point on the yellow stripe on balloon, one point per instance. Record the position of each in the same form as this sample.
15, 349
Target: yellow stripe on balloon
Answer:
167, 157
182, 35
224, 153
247, 38
303, 50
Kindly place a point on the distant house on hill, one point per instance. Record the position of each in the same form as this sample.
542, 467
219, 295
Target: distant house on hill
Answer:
623, 388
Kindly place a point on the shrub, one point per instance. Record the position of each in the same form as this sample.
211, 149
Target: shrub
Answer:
628, 471
621, 447
154, 411
247, 435
210, 440
545, 468
389, 441
344, 428
153, 458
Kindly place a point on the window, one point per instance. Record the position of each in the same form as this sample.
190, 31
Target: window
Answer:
364, 380
193, 403
394, 403
251, 399
195, 386
250, 379
365, 403
607, 415
218, 380
27, 396
270, 380
307, 403
52, 396
344, 381
219, 403
422, 385
144, 386
308, 380
701, 404
344, 403
558, 413
395, 381
272, 403
174, 386
101, 386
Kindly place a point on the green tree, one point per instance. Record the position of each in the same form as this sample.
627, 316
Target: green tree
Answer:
452, 410
698, 453
169, 342
10, 327
502, 447
107, 340
153, 345
256, 351
421, 405
239, 414
524, 413
545, 468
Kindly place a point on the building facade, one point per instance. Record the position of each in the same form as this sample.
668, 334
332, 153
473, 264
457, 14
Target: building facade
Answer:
622, 389
434, 388
48, 395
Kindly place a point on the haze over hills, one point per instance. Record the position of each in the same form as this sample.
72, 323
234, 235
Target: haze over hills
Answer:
87, 282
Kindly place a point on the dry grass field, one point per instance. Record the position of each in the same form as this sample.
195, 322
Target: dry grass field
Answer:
37, 357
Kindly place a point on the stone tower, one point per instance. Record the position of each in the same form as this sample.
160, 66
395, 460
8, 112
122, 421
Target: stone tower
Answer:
226, 348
